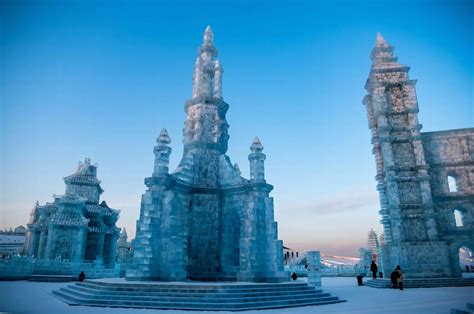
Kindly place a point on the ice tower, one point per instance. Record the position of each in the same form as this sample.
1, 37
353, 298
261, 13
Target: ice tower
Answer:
413, 173
204, 221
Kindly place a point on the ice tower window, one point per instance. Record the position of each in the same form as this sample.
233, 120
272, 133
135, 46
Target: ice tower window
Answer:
452, 185
458, 218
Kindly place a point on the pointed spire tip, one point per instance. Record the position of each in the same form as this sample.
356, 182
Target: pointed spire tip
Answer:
380, 41
256, 145
208, 36
164, 137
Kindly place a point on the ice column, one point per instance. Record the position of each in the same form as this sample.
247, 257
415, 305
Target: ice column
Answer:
314, 268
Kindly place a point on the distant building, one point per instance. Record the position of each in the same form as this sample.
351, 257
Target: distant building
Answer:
12, 241
18, 231
124, 248
372, 241
11, 245
75, 226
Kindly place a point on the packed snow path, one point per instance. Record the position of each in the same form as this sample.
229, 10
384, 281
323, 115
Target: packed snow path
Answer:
36, 297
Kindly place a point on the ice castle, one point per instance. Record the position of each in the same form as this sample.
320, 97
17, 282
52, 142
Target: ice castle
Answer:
205, 221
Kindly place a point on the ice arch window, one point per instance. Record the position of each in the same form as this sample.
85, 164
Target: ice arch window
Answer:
458, 218
452, 185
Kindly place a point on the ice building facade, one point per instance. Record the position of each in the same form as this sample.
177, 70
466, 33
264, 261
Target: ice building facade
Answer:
424, 180
75, 227
205, 221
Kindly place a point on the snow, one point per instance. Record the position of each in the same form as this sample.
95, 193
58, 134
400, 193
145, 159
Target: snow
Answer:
36, 297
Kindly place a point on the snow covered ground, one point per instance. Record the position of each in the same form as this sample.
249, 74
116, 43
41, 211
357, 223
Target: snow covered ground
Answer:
35, 297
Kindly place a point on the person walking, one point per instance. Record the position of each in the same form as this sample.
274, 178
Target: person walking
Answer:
374, 269
399, 277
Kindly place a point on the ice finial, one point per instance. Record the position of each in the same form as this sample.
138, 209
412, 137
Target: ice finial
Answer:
256, 145
124, 232
237, 169
380, 41
162, 154
164, 138
208, 36
87, 167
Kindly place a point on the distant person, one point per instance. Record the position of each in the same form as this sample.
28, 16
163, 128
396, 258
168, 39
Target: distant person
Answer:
82, 276
467, 268
374, 269
399, 277
393, 279
294, 276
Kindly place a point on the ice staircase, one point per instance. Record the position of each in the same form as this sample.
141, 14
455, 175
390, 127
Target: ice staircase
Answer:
469, 309
52, 278
193, 296
422, 283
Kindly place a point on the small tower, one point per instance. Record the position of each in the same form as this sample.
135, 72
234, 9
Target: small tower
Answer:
162, 154
122, 246
372, 241
257, 158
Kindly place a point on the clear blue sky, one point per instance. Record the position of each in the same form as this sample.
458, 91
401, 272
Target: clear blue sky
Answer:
100, 79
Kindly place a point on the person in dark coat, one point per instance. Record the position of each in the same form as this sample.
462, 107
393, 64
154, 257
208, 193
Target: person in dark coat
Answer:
399, 277
82, 276
294, 276
374, 269
393, 278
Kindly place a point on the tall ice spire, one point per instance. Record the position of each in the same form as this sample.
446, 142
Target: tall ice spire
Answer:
207, 77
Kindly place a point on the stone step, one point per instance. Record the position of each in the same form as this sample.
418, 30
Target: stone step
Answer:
51, 278
185, 299
187, 294
211, 306
199, 297
423, 283
192, 289
193, 285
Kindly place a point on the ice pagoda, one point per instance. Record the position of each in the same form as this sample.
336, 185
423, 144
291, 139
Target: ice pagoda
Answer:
205, 221
75, 227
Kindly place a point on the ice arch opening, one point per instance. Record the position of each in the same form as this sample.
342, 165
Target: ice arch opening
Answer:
458, 218
452, 184
466, 259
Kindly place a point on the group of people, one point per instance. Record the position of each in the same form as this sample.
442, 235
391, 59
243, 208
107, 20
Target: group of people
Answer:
396, 276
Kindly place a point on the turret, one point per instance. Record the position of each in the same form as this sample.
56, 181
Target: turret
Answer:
257, 158
162, 154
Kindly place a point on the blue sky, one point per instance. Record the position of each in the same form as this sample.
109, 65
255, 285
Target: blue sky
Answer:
100, 79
